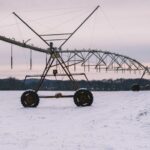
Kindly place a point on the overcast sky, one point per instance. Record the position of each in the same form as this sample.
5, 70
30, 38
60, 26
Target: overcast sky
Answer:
121, 26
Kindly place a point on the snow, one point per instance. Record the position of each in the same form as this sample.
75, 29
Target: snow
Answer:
115, 121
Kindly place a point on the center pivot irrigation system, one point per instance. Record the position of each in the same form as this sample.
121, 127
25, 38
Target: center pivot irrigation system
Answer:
104, 60
82, 97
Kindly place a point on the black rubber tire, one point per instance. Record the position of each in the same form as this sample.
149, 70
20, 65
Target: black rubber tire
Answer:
30, 99
135, 87
83, 97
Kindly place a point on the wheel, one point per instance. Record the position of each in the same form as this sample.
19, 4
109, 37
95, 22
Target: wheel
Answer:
30, 99
135, 87
83, 97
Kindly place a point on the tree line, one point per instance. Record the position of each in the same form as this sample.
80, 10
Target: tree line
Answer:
54, 85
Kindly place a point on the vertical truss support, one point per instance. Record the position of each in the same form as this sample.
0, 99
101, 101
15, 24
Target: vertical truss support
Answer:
30, 59
11, 57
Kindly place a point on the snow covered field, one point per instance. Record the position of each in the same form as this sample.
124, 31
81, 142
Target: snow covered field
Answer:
115, 121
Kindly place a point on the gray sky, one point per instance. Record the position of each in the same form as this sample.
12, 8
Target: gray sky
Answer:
121, 26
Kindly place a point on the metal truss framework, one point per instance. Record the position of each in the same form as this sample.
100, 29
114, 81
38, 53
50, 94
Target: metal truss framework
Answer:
101, 60
96, 59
